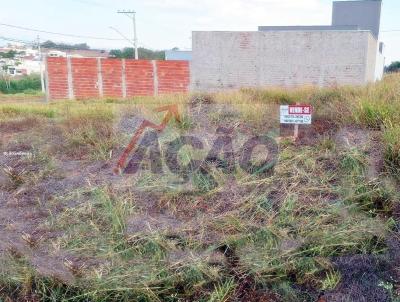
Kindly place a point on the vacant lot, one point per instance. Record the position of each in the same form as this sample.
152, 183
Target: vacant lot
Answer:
322, 225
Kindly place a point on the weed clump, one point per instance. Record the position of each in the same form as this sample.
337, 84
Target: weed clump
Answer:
90, 132
201, 99
392, 151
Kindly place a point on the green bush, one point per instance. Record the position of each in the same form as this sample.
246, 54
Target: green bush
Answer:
26, 84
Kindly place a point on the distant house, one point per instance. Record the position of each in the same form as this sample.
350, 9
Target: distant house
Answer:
76, 53
182, 55
31, 65
16, 71
55, 54
27, 60
89, 53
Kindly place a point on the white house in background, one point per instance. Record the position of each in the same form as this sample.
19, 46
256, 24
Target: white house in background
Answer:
56, 54
25, 62
31, 65
27, 59
75, 53
30, 52
16, 70
18, 66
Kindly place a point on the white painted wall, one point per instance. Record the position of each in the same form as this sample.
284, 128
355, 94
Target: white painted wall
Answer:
380, 63
31, 66
226, 60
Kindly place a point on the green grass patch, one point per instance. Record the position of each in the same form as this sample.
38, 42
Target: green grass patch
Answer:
27, 84
8, 111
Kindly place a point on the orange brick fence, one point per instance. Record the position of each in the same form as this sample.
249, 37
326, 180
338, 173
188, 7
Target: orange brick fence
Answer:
82, 78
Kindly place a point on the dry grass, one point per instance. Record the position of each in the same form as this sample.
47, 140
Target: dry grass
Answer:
219, 237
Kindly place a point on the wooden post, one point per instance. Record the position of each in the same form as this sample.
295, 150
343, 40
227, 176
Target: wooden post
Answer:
296, 130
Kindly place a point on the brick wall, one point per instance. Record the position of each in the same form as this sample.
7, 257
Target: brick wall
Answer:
57, 70
111, 71
172, 77
83, 78
139, 78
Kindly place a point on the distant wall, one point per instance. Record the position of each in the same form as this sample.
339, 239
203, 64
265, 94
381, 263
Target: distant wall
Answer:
185, 55
380, 62
371, 66
82, 78
308, 27
224, 60
365, 14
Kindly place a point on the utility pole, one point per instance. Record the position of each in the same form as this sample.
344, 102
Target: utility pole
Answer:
131, 14
41, 64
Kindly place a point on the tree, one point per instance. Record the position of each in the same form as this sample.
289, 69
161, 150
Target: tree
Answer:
144, 53
394, 67
63, 46
116, 53
8, 55
126, 53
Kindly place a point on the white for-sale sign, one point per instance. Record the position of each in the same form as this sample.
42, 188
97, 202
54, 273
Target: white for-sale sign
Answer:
296, 114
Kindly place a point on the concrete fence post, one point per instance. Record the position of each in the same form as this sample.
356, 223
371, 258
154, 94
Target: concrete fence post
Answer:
70, 79
46, 79
155, 77
100, 78
123, 78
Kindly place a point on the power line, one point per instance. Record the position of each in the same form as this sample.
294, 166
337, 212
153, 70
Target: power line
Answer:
140, 45
17, 40
87, 2
59, 34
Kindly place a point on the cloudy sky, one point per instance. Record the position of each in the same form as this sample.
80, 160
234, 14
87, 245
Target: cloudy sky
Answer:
164, 24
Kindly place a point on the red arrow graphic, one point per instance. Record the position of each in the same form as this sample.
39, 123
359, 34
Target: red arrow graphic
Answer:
172, 112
